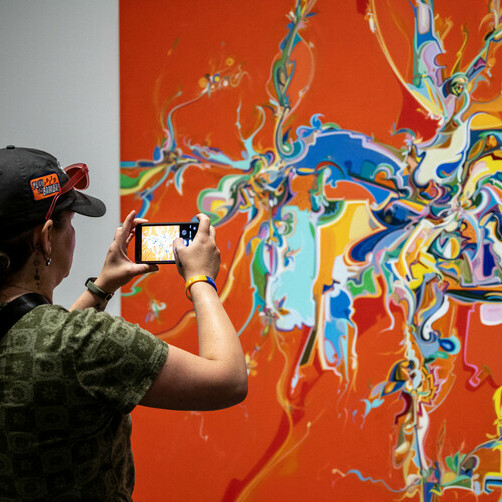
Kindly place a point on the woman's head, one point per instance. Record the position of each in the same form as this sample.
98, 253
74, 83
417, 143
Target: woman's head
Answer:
30, 181
37, 201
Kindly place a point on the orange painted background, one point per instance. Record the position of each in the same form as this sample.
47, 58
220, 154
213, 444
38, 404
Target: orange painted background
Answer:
351, 415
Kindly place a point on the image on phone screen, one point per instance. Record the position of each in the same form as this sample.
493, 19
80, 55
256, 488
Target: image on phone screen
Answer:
154, 241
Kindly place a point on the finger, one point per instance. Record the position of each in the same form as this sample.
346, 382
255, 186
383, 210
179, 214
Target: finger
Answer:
178, 243
122, 233
138, 221
152, 267
120, 236
204, 224
128, 222
212, 232
143, 268
130, 238
133, 224
177, 260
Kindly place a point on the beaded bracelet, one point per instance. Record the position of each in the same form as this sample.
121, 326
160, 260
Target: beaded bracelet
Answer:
198, 278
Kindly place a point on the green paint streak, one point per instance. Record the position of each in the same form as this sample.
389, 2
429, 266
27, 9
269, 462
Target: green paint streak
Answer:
258, 271
129, 181
365, 285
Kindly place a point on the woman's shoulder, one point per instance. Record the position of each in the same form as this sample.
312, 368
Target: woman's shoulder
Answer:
54, 318
77, 328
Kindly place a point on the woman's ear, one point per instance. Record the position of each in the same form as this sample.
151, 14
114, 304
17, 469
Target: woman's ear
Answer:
44, 237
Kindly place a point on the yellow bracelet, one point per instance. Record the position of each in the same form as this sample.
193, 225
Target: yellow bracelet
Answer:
198, 278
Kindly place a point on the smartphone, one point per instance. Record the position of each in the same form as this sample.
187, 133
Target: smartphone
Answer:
154, 241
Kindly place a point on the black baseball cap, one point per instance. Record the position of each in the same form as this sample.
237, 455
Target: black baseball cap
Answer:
29, 181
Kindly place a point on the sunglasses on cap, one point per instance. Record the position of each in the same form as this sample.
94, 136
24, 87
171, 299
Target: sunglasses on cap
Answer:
78, 175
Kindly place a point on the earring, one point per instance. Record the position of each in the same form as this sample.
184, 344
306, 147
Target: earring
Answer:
48, 262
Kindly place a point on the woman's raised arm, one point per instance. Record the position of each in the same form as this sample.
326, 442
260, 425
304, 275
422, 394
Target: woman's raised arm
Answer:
217, 377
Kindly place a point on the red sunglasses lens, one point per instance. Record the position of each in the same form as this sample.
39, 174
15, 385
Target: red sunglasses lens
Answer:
77, 171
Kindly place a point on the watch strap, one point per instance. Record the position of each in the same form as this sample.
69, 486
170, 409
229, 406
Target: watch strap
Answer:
89, 284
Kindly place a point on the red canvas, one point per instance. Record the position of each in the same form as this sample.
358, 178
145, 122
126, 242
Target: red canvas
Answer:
348, 154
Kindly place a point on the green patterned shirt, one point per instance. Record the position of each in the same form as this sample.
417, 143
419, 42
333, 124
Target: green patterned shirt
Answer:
68, 381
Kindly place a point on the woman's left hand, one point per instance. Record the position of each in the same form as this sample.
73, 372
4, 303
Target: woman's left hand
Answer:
118, 269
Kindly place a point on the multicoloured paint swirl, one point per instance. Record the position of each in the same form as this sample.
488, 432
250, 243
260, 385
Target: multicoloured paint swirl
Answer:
358, 270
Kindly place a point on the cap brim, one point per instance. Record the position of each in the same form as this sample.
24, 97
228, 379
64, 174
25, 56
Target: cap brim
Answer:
86, 205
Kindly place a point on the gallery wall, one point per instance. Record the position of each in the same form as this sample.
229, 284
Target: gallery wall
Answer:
59, 92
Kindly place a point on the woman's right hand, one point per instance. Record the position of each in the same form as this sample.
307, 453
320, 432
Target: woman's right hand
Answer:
217, 377
202, 256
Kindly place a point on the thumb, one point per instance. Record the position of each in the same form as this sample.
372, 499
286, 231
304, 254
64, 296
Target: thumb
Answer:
178, 243
144, 268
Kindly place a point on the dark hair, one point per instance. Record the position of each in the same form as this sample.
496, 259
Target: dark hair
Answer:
15, 251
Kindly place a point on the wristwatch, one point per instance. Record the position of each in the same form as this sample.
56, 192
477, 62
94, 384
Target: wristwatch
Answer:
89, 284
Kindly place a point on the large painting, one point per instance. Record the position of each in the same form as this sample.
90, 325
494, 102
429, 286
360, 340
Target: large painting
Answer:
349, 156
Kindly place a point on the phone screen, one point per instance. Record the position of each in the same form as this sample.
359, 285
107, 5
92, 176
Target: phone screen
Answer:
154, 241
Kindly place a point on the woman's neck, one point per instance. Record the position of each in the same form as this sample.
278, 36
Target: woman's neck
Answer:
35, 277
12, 291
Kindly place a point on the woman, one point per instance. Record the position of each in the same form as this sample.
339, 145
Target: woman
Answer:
69, 379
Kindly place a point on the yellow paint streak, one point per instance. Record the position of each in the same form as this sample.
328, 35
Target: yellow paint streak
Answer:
485, 167
142, 183
352, 224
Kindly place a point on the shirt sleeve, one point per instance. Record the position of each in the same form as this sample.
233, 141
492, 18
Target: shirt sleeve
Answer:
115, 361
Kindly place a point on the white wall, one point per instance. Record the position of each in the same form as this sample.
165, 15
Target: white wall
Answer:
59, 92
